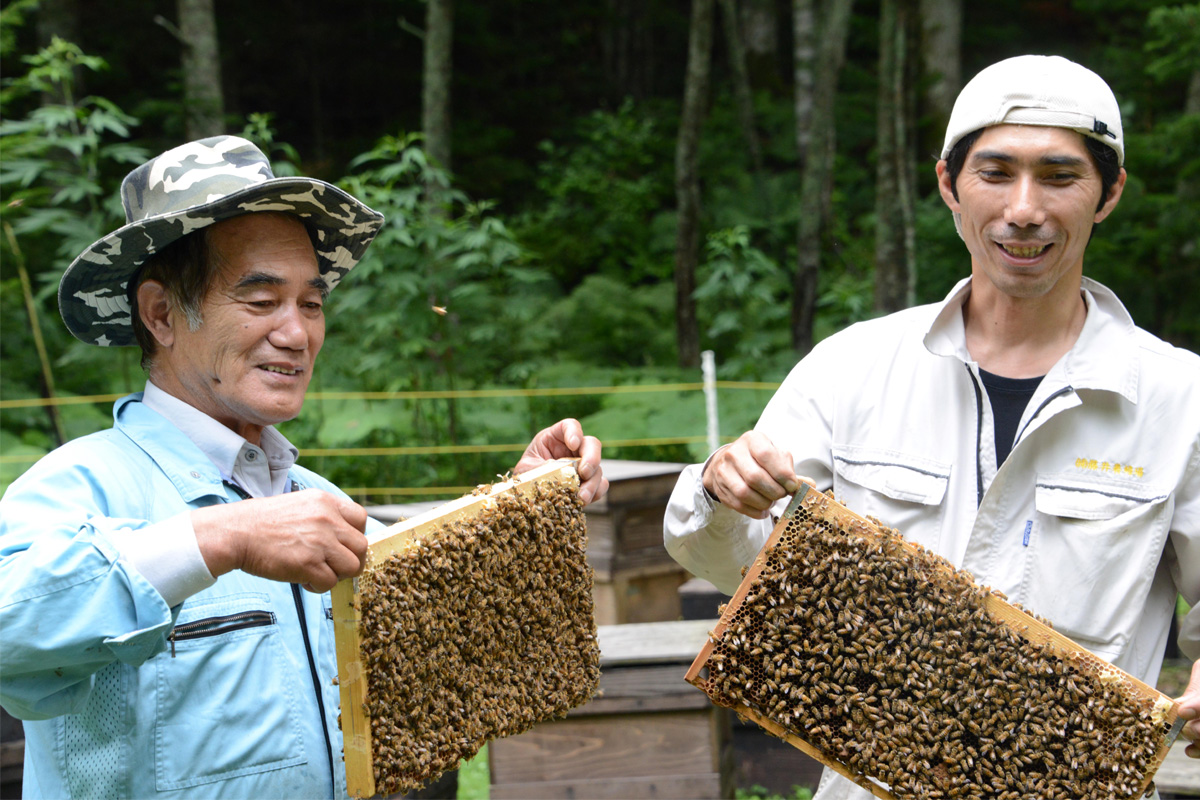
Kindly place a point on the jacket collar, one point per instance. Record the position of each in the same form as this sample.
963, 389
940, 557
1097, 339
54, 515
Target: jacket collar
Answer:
1104, 357
193, 473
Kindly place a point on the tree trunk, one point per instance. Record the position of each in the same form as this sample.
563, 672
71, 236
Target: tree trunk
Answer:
820, 51
743, 96
435, 94
941, 58
895, 232
627, 48
804, 37
687, 181
760, 35
203, 100
1192, 104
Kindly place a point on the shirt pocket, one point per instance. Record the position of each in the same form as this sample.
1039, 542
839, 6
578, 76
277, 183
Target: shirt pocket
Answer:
1093, 554
901, 490
225, 703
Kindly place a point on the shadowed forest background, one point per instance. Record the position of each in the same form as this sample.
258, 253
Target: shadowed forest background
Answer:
581, 197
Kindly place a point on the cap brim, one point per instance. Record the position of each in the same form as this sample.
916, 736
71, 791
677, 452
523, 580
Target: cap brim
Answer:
92, 294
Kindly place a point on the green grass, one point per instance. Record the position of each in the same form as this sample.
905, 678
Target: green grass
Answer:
473, 777
757, 792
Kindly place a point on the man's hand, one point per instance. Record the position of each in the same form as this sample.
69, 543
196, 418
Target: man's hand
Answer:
1190, 710
565, 439
751, 474
312, 538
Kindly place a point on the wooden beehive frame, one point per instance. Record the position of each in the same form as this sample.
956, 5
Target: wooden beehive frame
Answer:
356, 725
821, 507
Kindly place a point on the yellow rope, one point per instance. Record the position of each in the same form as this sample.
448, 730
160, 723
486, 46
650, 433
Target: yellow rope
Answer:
420, 450
561, 391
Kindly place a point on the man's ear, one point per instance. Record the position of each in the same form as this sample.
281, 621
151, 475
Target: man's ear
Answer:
944, 187
154, 308
1114, 195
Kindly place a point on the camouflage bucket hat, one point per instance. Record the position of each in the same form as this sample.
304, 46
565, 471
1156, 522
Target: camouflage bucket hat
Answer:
188, 188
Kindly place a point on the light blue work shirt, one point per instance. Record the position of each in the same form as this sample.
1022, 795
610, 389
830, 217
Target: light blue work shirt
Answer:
125, 696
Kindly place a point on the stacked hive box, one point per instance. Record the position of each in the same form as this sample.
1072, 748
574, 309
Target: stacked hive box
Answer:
648, 734
636, 581
898, 671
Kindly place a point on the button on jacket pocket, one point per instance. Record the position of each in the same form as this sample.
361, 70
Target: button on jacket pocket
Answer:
1093, 552
903, 490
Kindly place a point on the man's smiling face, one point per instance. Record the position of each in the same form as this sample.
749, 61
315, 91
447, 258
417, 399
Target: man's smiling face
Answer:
251, 360
1027, 199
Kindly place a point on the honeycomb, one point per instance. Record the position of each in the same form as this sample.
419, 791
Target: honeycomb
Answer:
891, 666
480, 628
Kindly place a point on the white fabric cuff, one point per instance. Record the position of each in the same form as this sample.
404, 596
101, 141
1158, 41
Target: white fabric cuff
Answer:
167, 555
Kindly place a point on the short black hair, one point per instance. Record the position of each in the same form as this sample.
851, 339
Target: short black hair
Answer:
1103, 157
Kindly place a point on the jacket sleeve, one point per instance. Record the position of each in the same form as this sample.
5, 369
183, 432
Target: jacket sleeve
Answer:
69, 604
714, 542
709, 540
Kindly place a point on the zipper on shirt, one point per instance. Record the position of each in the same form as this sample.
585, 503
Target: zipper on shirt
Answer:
1041, 408
312, 669
215, 626
297, 596
978, 435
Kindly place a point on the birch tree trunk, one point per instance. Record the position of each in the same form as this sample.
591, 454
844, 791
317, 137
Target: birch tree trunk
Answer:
820, 51
435, 90
760, 34
895, 210
687, 181
941, 59
203, 98
743, 95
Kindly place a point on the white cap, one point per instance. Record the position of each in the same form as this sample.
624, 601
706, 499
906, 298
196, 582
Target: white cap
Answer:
1038, 90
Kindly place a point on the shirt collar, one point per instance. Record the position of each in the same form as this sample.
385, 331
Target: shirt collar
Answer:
1104, 356
261, 471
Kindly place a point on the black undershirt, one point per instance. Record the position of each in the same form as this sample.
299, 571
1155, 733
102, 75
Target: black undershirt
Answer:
1008, 396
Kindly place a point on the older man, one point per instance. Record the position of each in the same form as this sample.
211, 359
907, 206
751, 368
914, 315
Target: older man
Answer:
1024, 427
158, 640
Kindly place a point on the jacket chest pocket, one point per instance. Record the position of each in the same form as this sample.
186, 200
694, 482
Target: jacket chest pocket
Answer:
901, 490
1093, 551
225, 703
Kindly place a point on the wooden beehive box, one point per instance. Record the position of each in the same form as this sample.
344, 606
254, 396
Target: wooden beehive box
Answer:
896, 670
646, 735
469, 622
636, 580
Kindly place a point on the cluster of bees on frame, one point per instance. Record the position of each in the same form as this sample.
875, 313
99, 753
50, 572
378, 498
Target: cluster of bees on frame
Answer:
883, 657
482, 629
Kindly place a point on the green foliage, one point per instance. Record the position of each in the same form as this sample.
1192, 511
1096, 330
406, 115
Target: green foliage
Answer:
605, 198
443, 293
474, 778
62, 163
612, 323
574, 287
757, 792
259, 128
744, 295
12, 17
1175, 32
440, 302
1148, 250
